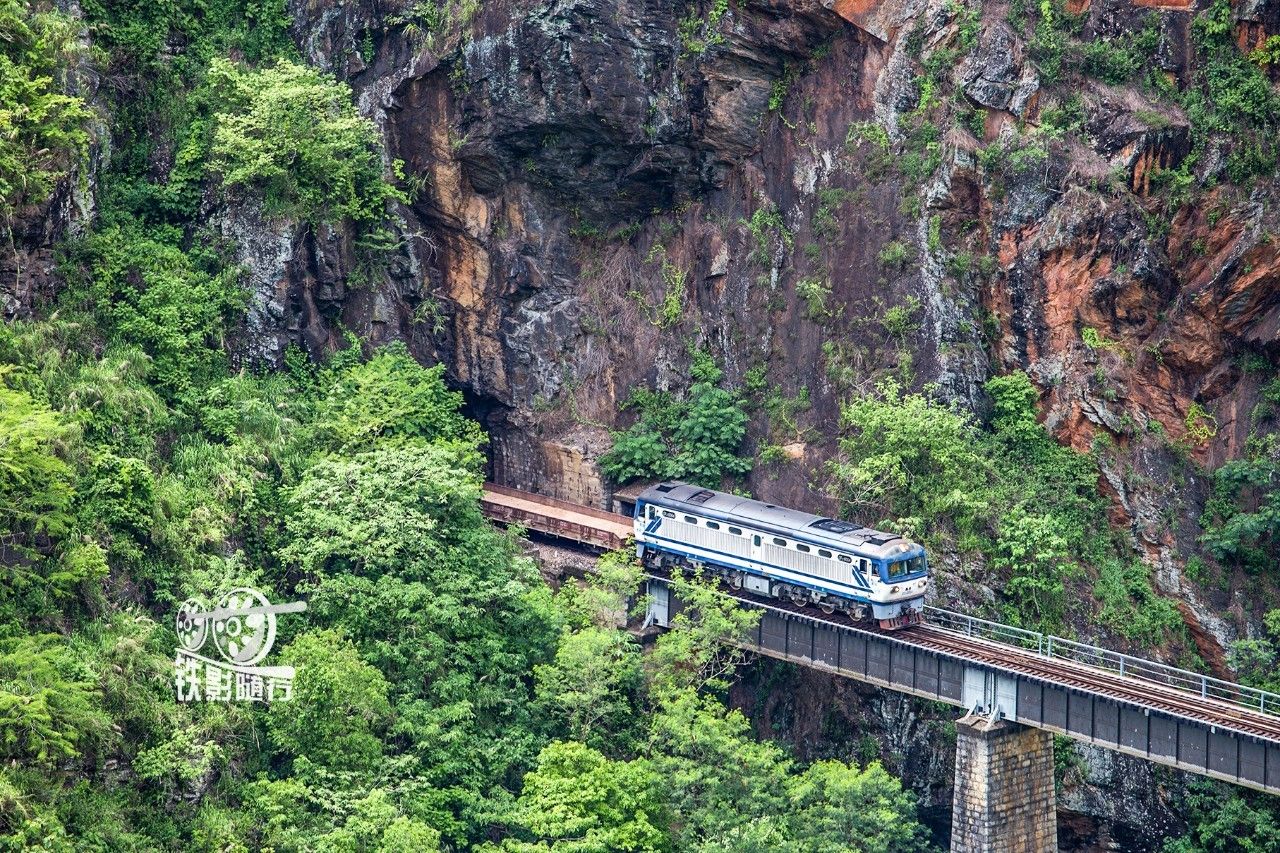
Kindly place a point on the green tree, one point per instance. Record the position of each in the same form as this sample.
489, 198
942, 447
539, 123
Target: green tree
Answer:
339, 707
701, 652
381, 509
1242, 519
578, 801
716, 777
836, 807
592, 687
150, 291
1255, 659
49, 706
390, 396
909, 458
1224, 820
43, 125
35, 479
292, 133
695, 438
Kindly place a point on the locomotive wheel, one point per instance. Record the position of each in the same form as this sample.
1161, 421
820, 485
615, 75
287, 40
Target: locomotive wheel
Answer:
798, 597
735, 580
826, 607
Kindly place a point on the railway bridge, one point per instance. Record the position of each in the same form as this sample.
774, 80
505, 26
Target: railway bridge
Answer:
1017, 688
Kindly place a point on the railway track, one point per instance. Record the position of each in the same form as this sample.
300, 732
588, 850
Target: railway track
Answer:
1099, 682
608, 530
1066, 673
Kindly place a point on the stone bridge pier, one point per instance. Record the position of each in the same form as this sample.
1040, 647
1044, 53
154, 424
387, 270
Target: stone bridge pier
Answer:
1004, 792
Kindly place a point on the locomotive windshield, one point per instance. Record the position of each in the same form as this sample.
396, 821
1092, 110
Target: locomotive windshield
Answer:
909, 566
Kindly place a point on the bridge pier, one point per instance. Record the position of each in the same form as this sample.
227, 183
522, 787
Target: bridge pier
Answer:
1004, 792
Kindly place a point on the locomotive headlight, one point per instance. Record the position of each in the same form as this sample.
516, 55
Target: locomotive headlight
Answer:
924, 582
895, 589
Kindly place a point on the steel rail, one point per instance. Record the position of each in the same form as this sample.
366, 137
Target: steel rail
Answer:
1049, 646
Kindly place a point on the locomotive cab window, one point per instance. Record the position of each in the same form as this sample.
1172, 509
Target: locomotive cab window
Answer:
653, 513
909, 566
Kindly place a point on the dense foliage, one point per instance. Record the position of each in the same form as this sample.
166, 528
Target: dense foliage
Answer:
1010, 494
1242, 519
294, 134
42, 122
695, 437
447, 698
445, 695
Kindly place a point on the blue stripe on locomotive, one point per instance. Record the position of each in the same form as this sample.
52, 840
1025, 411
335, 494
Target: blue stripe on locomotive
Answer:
754, 566
790, 532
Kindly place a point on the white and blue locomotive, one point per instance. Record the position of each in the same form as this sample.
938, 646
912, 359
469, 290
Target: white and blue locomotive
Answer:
783, 553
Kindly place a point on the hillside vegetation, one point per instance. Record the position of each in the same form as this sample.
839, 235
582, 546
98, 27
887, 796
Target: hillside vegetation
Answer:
448, 698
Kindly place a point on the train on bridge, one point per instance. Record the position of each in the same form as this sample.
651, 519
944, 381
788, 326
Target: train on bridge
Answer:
1170, 716
777, 552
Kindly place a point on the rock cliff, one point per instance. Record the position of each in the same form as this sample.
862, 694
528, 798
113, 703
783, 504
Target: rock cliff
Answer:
602, 184
597, 186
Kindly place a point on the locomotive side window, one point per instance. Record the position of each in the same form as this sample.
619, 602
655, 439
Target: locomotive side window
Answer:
757, 541
666, 513
689, 519
781, 543
804, 548
844, 558
823, 552
736, 531
653, 513
713, 525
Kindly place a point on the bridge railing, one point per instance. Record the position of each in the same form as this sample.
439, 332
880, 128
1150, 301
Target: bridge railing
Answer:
1049, 646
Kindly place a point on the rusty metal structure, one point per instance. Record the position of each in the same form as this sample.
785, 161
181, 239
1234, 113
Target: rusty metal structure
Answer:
552, 517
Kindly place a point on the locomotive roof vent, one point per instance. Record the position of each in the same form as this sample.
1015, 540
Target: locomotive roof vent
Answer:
701, 497
664, 488
831, 525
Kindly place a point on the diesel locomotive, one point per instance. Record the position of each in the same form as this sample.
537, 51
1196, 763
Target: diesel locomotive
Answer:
775, 552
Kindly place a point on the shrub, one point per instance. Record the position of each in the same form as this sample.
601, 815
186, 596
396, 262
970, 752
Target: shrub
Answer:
768, 234
1201, 426
43, 127
815, 292
1028, 505
694, 438
172, 303
293, 134
894, 254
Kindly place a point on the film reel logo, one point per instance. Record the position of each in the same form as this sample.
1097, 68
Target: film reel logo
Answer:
243, 627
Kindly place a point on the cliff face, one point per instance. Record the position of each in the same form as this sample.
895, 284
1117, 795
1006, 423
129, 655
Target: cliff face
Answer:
599, 185
603, 184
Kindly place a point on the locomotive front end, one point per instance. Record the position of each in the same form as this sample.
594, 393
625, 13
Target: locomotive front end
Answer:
898, 600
